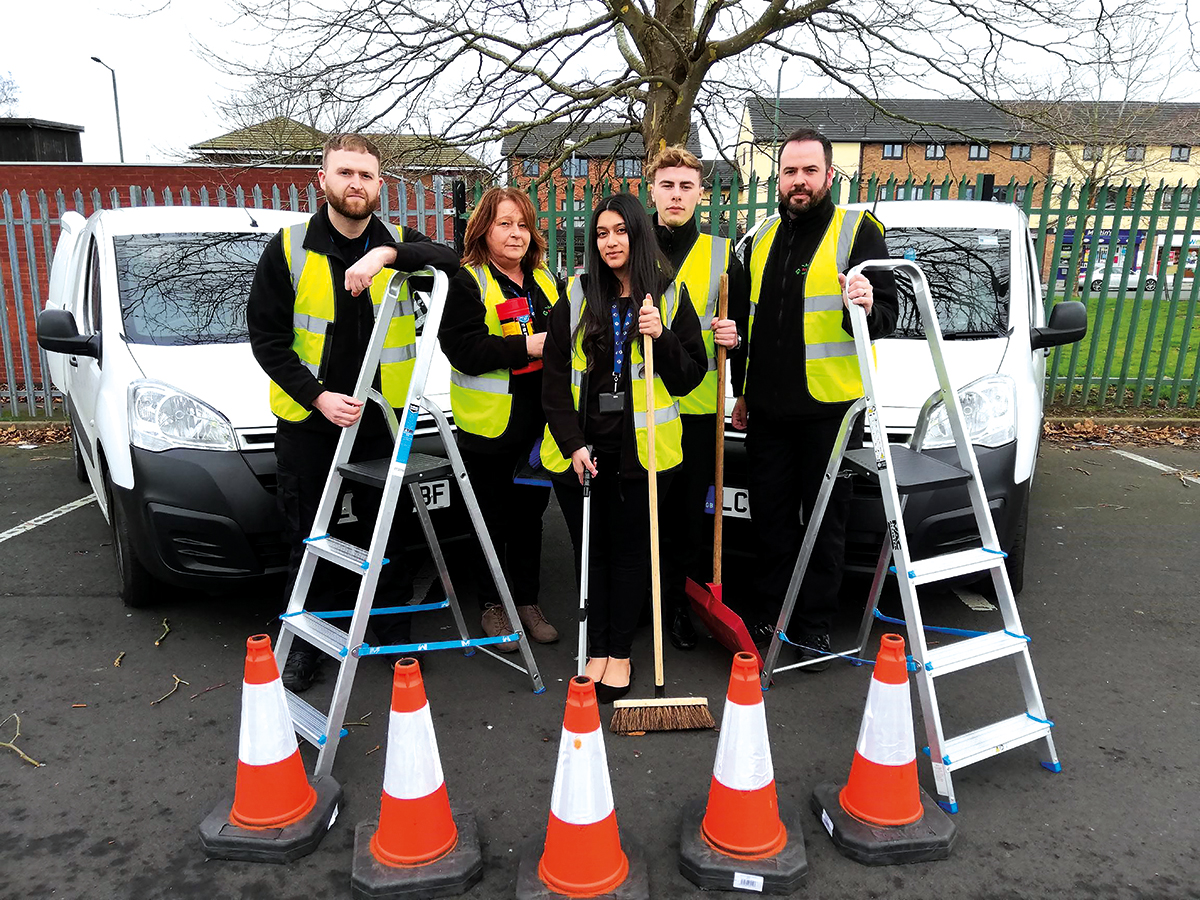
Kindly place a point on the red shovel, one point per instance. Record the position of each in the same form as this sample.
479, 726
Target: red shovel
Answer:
721, 621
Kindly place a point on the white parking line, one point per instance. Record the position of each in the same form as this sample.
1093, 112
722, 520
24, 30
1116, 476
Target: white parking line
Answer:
1155, 464
46, 517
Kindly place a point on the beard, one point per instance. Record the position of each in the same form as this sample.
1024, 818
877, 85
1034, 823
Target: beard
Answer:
801, 200
357, 208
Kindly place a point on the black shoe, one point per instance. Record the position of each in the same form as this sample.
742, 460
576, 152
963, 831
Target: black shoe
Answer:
814, 646
606, 693
303, 667
761, 633
682, 632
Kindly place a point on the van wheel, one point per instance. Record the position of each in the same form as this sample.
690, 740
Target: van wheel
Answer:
77, 456
138, 586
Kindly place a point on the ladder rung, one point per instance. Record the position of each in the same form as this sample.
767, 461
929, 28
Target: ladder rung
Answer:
318, 632
338, 551
420, 467
953, 565
992, 739
972, 652
309, 723
912, 471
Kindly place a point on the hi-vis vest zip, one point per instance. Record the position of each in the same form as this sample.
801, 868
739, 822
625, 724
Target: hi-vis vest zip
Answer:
482, 404
668, 430
830, 362
701, 272
313, 316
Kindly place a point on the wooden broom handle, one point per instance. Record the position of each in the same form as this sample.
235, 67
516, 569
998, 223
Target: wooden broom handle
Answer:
652, 483
719, 481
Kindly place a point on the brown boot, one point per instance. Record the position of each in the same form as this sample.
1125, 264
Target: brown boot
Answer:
496, 624
536, 625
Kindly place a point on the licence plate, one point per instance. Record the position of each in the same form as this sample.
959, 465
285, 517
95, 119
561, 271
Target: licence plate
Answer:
735, 502
436, 493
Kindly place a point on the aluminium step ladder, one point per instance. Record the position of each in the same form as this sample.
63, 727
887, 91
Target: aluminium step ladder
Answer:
403, 469
900, 470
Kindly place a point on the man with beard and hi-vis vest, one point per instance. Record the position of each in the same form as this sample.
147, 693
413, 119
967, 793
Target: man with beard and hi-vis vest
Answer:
310, 316
675, 177
797, 377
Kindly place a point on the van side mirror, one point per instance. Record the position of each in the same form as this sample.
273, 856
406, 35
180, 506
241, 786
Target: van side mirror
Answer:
1068, 324
58, 333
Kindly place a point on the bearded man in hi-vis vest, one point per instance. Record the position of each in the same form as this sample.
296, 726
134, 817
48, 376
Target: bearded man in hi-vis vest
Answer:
310, 315
796, 378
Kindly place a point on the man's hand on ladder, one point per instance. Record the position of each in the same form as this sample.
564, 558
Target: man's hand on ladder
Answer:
340, 409
858, 291
360, 275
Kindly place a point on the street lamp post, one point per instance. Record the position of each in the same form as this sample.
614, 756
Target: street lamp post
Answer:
775, 127
116, 106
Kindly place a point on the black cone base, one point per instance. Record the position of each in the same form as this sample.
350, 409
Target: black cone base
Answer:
449, 876
530, 886
930, 837
708, 868
222, 840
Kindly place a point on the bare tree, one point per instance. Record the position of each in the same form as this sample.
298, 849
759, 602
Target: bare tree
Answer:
475, 72
8, 95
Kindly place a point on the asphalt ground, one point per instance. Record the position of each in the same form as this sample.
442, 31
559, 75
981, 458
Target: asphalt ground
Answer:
1110, 602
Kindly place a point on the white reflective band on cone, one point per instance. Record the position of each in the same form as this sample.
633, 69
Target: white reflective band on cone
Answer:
267, 735
414, 768
743, 753
582, 793
886, 735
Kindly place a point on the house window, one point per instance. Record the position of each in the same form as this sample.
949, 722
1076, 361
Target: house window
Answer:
935, 193
979, 151
628, 168
529, 167
1135, 153
1181, 153
935, 151
893, 151
574, 168
1021, 151
1093, 151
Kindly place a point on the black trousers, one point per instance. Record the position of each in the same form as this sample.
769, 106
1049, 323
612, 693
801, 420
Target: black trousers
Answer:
513, 513
687, 541
787, 459
303, 460
619, 554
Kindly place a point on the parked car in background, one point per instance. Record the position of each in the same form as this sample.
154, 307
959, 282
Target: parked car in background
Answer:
1095, 278
145, 324
983, 274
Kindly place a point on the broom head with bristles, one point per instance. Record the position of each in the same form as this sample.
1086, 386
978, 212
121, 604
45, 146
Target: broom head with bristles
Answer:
662, 714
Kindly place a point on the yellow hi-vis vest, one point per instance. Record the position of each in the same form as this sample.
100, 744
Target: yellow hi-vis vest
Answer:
701, 272
482, 404
668, 430
830, 361
313, 313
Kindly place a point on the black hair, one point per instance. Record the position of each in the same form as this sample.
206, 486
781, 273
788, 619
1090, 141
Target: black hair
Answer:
649, 270
808, 134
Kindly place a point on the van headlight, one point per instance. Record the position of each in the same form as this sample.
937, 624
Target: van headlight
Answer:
989, 408
163, 418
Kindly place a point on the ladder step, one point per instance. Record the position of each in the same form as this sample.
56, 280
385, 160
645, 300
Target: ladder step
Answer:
421, 467
912, 471
972, 652
318, 632
338, 551
953, 565
992, 739
308, 721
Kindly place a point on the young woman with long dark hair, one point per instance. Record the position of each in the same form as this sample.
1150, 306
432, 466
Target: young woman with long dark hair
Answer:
593, 394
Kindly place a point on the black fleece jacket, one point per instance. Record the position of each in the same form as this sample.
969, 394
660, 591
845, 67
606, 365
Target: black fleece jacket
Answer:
679, 359
779, 388
269, 311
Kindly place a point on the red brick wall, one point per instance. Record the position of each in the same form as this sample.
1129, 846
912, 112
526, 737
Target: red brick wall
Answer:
40, 182
956, 164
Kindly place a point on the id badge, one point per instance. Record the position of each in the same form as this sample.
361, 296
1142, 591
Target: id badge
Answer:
612, 402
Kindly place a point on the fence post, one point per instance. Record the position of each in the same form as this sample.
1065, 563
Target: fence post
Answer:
1131, 250
1176, 288
1156, 303
18, 297
10, 389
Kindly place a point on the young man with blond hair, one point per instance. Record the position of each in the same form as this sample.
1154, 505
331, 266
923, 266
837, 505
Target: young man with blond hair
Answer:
675, 177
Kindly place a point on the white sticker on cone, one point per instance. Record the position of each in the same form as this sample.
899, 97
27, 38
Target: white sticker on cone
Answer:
743, 754
267, 735
413, 769
744, 882
582, 793
886, 735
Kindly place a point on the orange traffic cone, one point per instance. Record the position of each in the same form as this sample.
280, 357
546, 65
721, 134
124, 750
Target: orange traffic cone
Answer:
276, 815
582, 854
419, 846
882, 816
739, 840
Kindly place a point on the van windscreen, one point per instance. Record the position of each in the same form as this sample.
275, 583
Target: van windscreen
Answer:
181, 289
968, 274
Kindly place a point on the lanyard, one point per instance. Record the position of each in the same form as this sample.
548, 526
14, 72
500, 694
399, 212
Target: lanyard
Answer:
620, 333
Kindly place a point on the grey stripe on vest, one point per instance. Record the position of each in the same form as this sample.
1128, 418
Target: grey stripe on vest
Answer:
575, 297
823, 303
712, 364
480, 274
669, 302
296, 235
761, 233
846, 238
479, 383
661, 416
392, 230
397, 354
717, 246
576, 378
830, 349
313, 368
313, 324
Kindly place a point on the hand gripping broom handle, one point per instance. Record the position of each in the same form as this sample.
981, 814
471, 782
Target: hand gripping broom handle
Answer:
719, 481
652, 483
